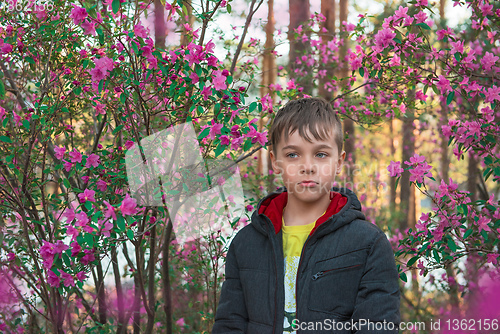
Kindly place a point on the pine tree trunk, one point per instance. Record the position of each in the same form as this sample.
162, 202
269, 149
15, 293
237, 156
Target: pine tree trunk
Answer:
269, 75
408, 151
299, 14
328, 11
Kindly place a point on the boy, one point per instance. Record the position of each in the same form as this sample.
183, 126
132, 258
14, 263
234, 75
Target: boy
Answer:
309, 261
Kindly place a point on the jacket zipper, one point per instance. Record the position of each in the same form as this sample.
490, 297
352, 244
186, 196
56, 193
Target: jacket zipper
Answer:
298, 271
276, 278
297, 278
275, 293
321, 273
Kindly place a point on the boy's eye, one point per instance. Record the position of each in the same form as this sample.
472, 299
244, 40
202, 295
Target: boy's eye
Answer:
289, 155
324, 155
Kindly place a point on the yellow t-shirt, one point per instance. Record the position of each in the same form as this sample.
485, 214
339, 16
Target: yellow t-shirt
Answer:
294, 238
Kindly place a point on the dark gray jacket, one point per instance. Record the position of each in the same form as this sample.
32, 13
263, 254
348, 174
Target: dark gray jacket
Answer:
347, 276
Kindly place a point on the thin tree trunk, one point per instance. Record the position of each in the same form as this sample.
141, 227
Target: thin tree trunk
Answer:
160, 29
268, 77
392, 180
299, 14
167, 294
349, 130
190, 20
119, 291
408, 151
101, 295
151, 280
328, 11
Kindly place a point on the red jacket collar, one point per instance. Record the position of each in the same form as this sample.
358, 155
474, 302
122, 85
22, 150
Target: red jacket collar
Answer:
273, 209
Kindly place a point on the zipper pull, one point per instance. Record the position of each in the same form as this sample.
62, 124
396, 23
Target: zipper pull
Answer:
317, 275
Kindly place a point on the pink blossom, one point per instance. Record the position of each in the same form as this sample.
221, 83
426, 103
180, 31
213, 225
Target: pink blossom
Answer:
482, 224
219, 80
443, 84
422, 3
395, 61
260, 137
88, 257
100, 109
492, 258
101, 185
443, 33
224, 140
88, 28
421, 96
210, 46
87, 195
194, 78
81, 276
75, 156
129, 144
395, 169
421, 17
488, 60
60, 247
47, 250
102, 66
401, 12
416, 159
128, 206
421, 266
106, 227
418, 172
68, 279
82, 219
291, 85
383, 38
92, 160
6, 48
78, 14
234, 131
180, 322
215, 130
236, 143
59, 152
69, 214
110, 211
206, 92
53, 279
486, 8
140, 31
75, 249
492, 94
17, 119
70, 230
457, 46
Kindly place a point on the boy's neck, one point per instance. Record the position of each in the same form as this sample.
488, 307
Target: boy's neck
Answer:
302, 213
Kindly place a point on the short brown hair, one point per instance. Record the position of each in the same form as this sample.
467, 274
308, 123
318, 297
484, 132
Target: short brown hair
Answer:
314, 113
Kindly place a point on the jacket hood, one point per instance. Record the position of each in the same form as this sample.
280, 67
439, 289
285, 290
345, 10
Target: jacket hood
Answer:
343, 209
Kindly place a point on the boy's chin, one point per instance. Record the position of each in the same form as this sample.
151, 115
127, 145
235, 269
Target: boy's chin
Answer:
309, 196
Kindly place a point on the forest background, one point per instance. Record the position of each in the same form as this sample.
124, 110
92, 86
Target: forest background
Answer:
89, 239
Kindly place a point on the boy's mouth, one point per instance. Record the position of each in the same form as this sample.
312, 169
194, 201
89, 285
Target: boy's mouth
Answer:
308, 183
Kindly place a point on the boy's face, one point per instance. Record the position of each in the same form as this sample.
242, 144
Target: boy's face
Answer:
308, 169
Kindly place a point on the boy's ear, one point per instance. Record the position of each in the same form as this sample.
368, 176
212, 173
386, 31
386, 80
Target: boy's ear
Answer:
276, 169
340, 163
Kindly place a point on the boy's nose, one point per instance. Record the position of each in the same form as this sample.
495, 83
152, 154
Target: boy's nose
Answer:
307, 167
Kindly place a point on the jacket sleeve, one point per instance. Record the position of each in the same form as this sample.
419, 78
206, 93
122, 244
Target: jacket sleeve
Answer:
378, 298
231, 316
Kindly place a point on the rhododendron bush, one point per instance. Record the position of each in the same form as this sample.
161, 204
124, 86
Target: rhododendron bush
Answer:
82, 83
